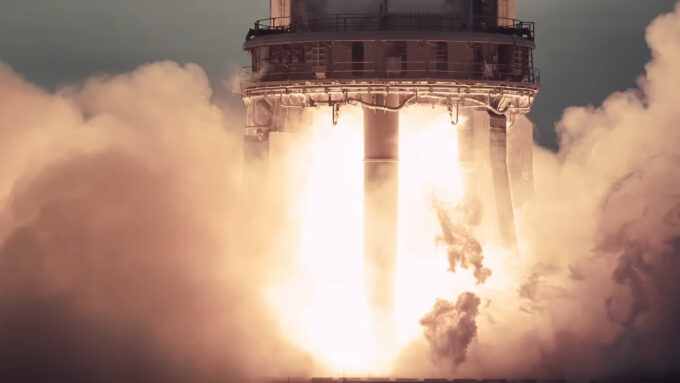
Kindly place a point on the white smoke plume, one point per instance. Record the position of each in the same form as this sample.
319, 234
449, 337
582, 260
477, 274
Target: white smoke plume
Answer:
127, 252
596, 281
618, 167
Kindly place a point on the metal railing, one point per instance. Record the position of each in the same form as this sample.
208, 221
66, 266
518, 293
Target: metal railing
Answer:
246, 77
395, 22
403, 70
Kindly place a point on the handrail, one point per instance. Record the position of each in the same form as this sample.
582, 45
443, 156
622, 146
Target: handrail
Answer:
411, 70
392, 22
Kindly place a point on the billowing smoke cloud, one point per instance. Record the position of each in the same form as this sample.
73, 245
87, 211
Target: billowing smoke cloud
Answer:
595, 285
622, 161
461, 246
536, 288
450, 328
122, 251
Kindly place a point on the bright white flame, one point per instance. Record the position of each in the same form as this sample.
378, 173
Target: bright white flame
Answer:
429, 168
322, 302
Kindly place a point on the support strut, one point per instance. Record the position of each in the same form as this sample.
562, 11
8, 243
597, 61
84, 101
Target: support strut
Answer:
468, 160
501, 180
381, 199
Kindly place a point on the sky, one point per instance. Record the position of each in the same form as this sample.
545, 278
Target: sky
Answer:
586, 49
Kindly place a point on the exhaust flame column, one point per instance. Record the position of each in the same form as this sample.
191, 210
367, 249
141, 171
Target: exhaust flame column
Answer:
255, 163
381, 199
501, 180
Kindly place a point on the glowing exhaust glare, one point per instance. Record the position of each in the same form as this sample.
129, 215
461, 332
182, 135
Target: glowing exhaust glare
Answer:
429, 168
321, 304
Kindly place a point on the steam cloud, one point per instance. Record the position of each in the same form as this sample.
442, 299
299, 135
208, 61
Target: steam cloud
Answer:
121, 246
597, 286
450, 328
623, 162
461, 246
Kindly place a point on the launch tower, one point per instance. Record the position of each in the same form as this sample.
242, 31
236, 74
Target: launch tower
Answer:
470, 56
